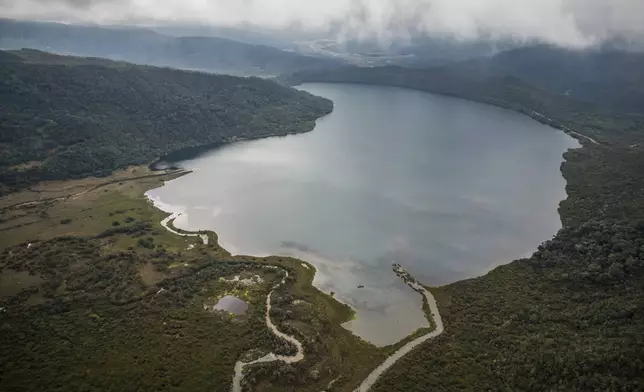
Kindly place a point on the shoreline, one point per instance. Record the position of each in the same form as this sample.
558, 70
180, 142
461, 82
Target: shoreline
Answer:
438, 329
536, 116
436, 323
405, 345
309, 261
188, 153
238, 370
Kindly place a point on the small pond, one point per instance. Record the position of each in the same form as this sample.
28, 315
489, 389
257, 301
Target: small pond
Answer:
231, 304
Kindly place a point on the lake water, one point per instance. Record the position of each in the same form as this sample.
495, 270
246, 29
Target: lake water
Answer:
445, 187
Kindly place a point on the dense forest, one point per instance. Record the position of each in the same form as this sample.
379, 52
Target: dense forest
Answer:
569, 318
606, 77
144, 46
64, 117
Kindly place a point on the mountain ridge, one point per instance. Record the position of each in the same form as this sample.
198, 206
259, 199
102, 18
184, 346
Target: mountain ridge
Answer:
148, 47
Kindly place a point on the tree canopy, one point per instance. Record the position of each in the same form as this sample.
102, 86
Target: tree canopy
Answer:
64, 117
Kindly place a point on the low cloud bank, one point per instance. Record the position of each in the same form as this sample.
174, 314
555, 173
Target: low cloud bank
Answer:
564, 22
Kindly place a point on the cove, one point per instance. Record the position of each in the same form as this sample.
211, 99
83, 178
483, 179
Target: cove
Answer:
446, 187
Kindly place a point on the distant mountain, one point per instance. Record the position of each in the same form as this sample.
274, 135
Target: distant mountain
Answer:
144, 46
432, 51
612, 79
609, 80
247, 34
65, 117
495, 89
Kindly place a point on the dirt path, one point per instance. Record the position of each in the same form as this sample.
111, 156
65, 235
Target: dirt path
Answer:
240, 365
373, 377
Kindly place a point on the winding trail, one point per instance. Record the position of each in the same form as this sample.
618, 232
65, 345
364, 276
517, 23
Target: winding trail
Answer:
240, 365
373, 377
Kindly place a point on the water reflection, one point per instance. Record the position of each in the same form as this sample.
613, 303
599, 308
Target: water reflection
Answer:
446, 187
231, 304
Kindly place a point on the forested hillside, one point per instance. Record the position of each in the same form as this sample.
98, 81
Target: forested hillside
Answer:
570, 318
499, 88
142, 46
609, 78
559, 81
63, 117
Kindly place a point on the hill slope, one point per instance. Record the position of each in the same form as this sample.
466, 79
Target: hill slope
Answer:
143, 46
609, 78
603, 93
64, 117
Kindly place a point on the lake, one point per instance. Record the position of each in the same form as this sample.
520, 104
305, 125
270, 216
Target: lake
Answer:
446, 187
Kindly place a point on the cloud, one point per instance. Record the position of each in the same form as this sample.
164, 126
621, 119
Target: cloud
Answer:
565, 22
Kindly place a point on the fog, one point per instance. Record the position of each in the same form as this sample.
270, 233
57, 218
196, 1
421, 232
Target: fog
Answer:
564, 22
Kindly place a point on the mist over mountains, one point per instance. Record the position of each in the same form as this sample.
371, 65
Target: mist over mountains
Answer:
144, 46
572, 23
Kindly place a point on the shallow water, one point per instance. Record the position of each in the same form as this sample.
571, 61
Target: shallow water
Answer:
445, 187
232, 304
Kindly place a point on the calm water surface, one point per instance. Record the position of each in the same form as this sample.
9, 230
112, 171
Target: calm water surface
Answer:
446, 187
231, 304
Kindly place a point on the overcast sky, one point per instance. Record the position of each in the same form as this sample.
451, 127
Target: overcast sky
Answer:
567, 22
